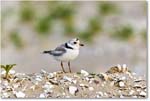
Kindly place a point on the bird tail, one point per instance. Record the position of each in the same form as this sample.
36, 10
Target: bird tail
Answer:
45, 52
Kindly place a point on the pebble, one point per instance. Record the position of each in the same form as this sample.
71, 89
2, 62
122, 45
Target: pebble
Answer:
72, 90
85, 73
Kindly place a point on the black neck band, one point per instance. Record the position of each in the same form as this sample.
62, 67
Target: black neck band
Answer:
66, 45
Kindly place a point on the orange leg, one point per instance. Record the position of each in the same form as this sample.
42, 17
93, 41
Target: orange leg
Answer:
69, 66
62, 67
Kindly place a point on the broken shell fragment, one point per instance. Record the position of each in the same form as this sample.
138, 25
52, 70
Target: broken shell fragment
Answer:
85, 73
142, 93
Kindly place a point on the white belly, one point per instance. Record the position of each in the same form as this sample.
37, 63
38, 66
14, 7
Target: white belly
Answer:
68, 56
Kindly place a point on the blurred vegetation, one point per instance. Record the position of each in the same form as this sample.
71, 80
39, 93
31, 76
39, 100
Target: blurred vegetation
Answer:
123, 32
106, 8
94, 26
65, 12
16, 39
26, 11
43, 25
144, 34
7, 68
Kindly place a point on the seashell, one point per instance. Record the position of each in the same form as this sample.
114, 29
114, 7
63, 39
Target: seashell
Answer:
142, 93
67, 78
20, 94
12, 72
50, 75
131, 92
85, 73
74, 81
72, 90
82, 85
123, 78
100, 93
119, 67
124, 68
91, 88
121, 84
43, 71
104, 76
134, 96
42, 95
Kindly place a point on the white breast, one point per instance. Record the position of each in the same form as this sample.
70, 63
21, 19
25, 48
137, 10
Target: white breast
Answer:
69, 55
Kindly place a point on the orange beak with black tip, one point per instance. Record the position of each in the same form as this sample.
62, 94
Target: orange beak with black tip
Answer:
81, 44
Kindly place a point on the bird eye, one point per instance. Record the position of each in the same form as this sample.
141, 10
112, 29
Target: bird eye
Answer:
75, 42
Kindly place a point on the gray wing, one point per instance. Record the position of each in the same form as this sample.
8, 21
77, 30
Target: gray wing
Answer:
59, 51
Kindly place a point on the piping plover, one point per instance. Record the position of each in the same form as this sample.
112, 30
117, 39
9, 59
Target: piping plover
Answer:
66, 52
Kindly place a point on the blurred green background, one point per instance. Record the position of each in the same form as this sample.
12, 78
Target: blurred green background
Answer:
113, 33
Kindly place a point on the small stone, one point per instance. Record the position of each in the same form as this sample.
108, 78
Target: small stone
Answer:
72, 90
20, 94
121, 84
85, 73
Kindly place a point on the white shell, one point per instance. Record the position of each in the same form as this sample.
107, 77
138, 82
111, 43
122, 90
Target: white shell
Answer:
142, 93
72, 89
91, 88
20, 94
85, 73
121, 84
12, 72
67, 78
50, 75
42, 95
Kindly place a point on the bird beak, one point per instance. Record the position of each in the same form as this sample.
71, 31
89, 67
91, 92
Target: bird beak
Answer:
81, 44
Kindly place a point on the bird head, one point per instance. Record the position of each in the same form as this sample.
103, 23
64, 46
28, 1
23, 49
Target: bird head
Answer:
75, 43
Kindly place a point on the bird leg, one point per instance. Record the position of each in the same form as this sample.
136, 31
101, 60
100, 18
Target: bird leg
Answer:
62, 67
69, 66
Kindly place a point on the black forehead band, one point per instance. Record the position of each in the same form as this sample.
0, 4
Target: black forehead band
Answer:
77, 39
